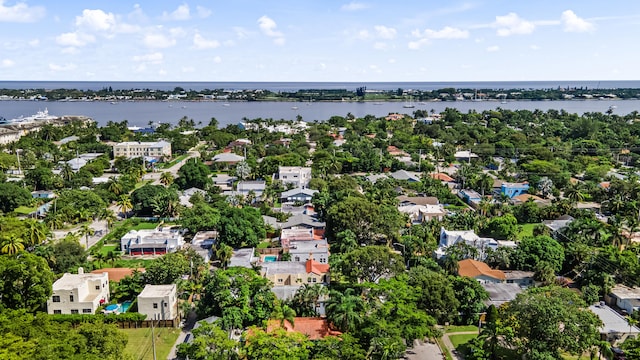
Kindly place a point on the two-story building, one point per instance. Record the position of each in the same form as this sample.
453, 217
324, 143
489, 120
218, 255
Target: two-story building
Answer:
305, 250
469, 237
514, 189
159, 302
297, 175
295, 272
298, 195
151, 242
79, 293
133, 149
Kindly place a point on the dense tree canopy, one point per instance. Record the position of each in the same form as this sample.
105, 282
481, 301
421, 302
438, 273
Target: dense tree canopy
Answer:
25, 282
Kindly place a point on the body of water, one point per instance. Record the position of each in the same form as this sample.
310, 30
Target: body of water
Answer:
140, 113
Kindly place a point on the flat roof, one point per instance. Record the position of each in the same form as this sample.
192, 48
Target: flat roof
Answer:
500, 293
72, 281
284, 267
156, 291
613, 322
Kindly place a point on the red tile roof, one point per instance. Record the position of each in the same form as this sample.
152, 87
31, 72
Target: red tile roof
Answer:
314, 328
316, 267
472, 268
442, 177
117, 274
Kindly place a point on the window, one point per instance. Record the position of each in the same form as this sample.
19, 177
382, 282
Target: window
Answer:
74, 311
297, 258
323, 260
309, 280
57, 312
70, 298
155, 305
56, 298
314, 279
165, 304
279, 280
86, 311
97, 287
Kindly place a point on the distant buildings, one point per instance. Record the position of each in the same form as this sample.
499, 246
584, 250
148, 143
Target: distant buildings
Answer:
132, 149
79, 293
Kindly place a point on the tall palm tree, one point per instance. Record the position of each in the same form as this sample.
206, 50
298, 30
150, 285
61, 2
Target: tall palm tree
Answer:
125, 205
345, 310
12, 245
485, 183
283, 312
224, 253
86, 231
99, 257
66, 172
115, 186
113, 256
574, 194
35, 233
166, 178
109, 216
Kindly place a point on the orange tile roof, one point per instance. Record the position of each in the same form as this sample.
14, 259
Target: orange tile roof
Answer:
314, 328
316, 267
117, 274
472, 268
526, 197
442, 177
605, 184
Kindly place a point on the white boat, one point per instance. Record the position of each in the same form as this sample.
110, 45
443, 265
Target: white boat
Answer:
42, 115
409, 104
294, 108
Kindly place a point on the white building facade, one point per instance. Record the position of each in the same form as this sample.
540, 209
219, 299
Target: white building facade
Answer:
159, 302
133, 149
296, 175
151, 242
79, 293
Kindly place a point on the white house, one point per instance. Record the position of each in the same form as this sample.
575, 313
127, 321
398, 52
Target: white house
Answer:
423, 213
79, 293
304, 250
151, 242
158, 302
298, 194
133, 149
296, 175
624, 297
450, 237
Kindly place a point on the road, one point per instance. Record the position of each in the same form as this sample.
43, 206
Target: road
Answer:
100, 226
424, 351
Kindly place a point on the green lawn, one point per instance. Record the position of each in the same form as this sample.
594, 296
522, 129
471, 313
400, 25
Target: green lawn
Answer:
106, 248
526, 230
461, 339
139, 345
264, 245
25, 210
460, 328
145, 226
447, 355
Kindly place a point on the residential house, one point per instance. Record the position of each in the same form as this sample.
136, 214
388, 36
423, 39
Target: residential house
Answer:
624, 297
615, 327
375, 177
417, 200
227, 158
298, 195
305, 250
66, 140
500, 293
117, 274
406, 175
514, 189
295, 272
79, 293
151, 242
419, 214
132, 149
159, 302
558, 224
471, 197
243, 258
244, 187
239, 143
202, 243
443, 177
451, 237
465, 156
188, 193
521, 278
77, 163
521, 199
224, 181
296, 175
480, 271
43, 194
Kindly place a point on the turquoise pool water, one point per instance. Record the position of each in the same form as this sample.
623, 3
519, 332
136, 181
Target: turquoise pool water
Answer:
270, 258
112, 307
125, 306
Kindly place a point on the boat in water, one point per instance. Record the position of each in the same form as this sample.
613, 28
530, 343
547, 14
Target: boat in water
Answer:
42, 115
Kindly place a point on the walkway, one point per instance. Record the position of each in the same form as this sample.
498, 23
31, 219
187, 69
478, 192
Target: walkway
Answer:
424, 351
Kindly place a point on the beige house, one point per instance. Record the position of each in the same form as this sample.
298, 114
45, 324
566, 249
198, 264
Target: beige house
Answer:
158, 302
296, 175
133, 149
79, 293
282, 273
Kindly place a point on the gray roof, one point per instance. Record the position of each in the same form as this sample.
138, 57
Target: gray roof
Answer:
375, 177
251, 185
296, 191
285, 292
243, 258
558, 223
612, 321
302, 220
500, 293
270, 220
308, 247
227, 157
405, 175
284, 267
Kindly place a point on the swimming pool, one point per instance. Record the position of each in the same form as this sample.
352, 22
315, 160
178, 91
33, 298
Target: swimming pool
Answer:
125, 306
112, 307
119, 308
270, 258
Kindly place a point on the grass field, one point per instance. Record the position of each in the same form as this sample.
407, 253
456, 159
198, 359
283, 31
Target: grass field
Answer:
145, 226
460, 328
461, 339
447, 355
139, 345
106, 248
25, 210
526, 231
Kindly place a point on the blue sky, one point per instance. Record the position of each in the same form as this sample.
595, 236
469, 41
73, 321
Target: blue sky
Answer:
319, 40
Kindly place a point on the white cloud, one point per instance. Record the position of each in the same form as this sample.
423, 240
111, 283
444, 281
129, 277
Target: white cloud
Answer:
20, 13
493, 48
158, 40
573, 23
268, 27
385, 32
188, 69
203, 12
152, 58
512, 24
534, 47
380, 46
391, 61
95, 20
217, 60
354, 6
65, 67
201, 43
363, 35
74, 39
179, 14
241, 33
7, 63
445, 33
34, 42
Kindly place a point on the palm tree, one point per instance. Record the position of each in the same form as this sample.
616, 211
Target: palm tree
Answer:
545, 186
12, 245
113, 256
35, 233
283, 312
243, 170
632, 322
485, 183
115, 186
224, 253
307, 299
166, 178
574, 194
66, 172
345, 310
124, 202
110, 217
86, 231
99, 257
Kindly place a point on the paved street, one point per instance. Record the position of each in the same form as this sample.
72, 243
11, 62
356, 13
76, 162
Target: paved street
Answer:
424, 351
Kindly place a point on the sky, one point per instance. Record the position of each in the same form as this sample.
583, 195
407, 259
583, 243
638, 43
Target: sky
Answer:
319, 40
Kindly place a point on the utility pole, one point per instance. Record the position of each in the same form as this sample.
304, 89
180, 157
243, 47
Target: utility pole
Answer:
420, 161
153, 339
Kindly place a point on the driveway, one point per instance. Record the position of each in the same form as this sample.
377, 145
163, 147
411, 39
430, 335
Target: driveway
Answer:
424, 351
